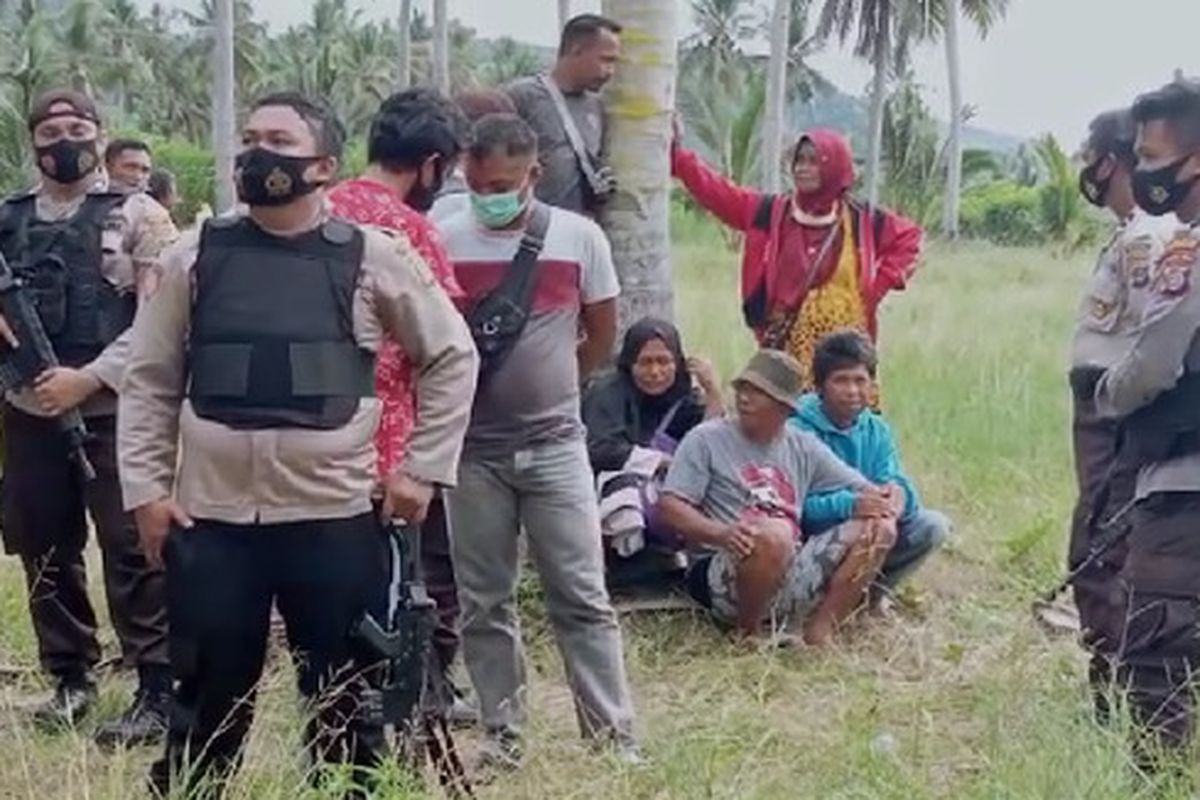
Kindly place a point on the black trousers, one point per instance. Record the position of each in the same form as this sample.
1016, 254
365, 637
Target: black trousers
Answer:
1158, 626
1103, 491
46, 504
223, 579
438, 572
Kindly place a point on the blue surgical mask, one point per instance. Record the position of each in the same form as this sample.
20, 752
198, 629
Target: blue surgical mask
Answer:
498, 210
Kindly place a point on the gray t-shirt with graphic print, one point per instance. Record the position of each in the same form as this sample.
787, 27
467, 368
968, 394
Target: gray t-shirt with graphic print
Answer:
721, 472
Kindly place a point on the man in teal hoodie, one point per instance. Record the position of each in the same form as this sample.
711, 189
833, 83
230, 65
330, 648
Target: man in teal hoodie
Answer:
844, 372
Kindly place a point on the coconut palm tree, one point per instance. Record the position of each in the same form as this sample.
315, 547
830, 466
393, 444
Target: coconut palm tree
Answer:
441, 47
404, 73
983, 14
223, 102
509, 60
926, 20
27, 61
777, 66
721, 25
873, 26
640, 107
804, 81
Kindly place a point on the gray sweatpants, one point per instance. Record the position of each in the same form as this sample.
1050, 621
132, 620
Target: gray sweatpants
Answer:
547, 491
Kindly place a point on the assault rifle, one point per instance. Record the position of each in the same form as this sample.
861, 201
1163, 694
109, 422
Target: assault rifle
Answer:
409, 695
20, 366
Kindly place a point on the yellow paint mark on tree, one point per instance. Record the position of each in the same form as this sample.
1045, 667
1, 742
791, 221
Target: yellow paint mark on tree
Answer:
639, 106
631, 37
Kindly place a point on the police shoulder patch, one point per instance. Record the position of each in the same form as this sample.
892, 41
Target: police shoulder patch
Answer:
1137, 255
1181, 256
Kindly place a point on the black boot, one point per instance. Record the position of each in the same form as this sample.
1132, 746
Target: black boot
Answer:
73, 698
145, 721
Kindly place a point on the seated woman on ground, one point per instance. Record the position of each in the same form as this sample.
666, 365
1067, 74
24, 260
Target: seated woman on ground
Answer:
635, 417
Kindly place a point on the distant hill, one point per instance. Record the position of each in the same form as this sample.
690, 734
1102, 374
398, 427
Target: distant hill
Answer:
850, 114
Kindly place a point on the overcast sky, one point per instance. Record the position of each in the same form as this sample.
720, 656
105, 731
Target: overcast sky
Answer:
1050, 66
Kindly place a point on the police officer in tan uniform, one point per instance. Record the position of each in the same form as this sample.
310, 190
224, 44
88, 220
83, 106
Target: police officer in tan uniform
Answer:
246, 440
1155, 388
82, 251
1108, 316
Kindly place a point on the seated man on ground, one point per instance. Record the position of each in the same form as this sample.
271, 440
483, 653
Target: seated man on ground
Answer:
635, 417
734, 492
838, 414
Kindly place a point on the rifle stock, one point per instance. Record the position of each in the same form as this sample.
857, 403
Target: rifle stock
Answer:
404, 640
409, 695
20, 366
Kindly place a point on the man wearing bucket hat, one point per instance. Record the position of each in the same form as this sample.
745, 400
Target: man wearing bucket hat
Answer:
734, 492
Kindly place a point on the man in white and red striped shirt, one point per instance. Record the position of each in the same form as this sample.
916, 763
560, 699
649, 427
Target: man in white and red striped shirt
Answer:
526, 464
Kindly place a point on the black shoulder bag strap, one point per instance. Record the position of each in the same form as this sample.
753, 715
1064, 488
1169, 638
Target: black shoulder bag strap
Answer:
497, 320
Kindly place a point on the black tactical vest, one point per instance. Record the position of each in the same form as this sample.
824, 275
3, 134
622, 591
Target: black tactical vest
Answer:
272, 337
60, 264
1167, 428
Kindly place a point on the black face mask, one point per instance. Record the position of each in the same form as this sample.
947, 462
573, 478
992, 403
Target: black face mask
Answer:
266, 178
66, 161
421, 197
1159, 191
1094, 190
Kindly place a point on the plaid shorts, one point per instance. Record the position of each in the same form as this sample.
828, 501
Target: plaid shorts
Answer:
803, 586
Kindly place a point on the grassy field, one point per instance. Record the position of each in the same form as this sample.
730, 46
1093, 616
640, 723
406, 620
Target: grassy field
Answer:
962, 699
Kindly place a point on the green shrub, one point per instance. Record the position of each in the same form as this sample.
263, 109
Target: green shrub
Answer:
1005, 213
194, 173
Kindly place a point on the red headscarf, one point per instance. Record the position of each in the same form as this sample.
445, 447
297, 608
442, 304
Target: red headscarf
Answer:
837, 170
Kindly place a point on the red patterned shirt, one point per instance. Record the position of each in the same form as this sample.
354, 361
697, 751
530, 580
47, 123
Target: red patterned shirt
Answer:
369, 202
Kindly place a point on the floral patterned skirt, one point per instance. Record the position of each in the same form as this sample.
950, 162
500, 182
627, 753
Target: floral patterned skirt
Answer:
826, 310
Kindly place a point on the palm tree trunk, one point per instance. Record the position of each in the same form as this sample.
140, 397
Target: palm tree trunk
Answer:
955, 145
879, 60
441, 47
564, 13
404, 74
223, 104
773, 130
640, 103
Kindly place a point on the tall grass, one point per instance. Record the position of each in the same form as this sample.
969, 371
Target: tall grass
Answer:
963, 699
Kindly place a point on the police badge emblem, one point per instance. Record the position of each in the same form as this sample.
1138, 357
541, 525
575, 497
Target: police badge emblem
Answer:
1139, 276
1174, 275
278, 183
1137, 257
1159, 194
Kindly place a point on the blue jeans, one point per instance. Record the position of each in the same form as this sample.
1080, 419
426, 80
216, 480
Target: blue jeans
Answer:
918, 536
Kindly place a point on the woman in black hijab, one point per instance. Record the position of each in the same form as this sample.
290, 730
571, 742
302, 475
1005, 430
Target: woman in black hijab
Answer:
650, 400
635, 417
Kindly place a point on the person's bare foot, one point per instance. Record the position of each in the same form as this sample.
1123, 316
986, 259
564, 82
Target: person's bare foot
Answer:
883, 607
818, 632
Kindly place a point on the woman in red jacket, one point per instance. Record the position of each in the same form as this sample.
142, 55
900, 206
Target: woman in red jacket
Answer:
815, 260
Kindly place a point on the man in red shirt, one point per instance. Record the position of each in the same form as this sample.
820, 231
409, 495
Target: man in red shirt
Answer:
414, 142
